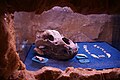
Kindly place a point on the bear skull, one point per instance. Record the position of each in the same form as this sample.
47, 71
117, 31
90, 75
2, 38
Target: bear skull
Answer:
54, 45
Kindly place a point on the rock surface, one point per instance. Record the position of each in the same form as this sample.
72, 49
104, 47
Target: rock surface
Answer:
77, 27
81, 6
9, 59
50, 73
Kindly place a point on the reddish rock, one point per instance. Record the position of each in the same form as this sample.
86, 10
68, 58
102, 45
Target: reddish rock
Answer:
90, 74
9, 59
48, 73
81, 6
22, 75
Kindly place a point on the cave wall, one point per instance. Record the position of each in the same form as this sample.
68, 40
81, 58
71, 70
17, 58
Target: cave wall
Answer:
111, 7
81, 6
77, 27
9, 59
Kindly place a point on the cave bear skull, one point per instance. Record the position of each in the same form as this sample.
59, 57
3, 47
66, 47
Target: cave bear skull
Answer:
52, 44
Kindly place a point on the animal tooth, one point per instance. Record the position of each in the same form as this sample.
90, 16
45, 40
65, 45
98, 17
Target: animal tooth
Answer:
108, 55
95, 45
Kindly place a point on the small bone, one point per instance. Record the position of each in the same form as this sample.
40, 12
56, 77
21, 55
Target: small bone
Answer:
108, 55
93, 55
82, 55
40, 58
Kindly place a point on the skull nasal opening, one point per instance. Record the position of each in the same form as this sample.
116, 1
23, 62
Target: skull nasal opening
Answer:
66, 40
50, 37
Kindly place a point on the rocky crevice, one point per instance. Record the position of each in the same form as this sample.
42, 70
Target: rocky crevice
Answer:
50, 73
9, 59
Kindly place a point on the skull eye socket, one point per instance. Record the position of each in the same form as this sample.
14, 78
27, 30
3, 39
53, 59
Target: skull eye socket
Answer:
50, 37
66, 40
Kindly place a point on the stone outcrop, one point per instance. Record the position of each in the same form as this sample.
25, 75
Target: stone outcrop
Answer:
47, 73
50, 73
9, 59
81, 6
77, 27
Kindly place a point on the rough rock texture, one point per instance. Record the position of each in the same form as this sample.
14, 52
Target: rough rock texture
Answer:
9, 59
81, 6
50, 73
22, 75
89, 74
77, 27
47, 73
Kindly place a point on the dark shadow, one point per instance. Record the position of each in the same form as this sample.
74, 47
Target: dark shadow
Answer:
116, 31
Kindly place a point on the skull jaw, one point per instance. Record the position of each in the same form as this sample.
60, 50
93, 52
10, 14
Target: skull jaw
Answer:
57, 52
60, 54
57, 56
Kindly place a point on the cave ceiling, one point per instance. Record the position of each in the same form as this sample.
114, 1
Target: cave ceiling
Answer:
81, 6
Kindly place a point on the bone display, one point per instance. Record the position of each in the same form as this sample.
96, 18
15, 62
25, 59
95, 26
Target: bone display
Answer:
55, 46
10, 63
